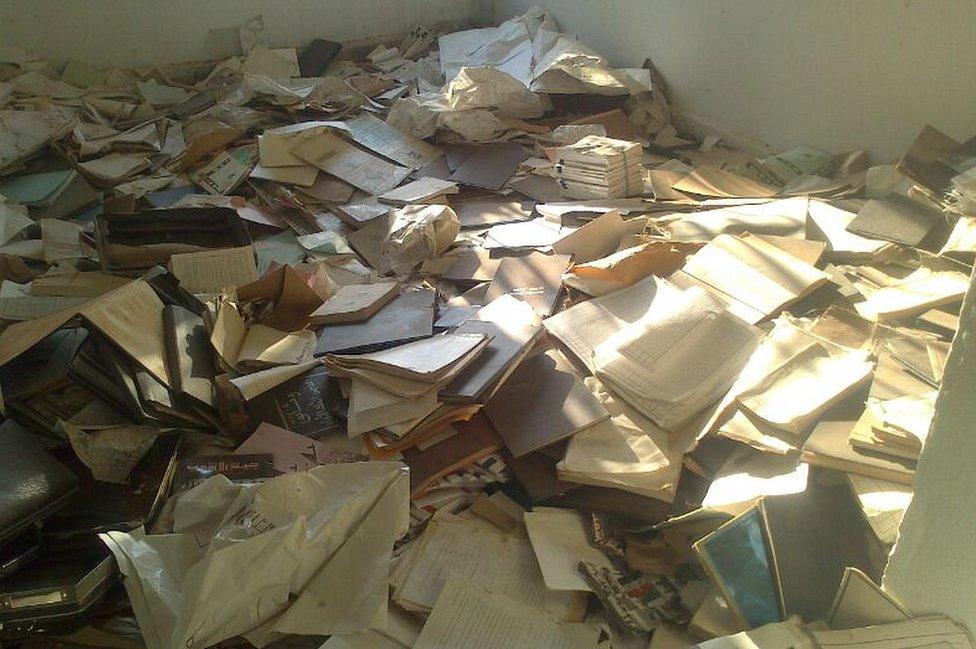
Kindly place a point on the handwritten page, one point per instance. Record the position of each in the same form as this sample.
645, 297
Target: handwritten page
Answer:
211, 271
376, 135
493, 560
467, 616
333, 155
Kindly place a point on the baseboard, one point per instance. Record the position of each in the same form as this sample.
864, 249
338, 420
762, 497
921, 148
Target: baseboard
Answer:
688, 121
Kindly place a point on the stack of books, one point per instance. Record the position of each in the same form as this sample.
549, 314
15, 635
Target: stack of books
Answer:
600, 167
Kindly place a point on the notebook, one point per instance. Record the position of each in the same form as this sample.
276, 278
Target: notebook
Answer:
542, 402
535, 278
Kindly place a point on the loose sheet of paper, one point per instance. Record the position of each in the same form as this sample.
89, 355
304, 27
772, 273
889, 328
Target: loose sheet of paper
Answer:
341, 519
496, 561
593, 240
466, 616
376, 135
211, 271
332, 154
560, 541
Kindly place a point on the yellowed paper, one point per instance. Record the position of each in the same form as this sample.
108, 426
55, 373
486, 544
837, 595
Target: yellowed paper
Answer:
211, 271
465, 615
332, 154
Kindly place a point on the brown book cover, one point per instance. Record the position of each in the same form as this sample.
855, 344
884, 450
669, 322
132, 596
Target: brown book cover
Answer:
474, 440
537, 475
490, 166
535, 278
542, 402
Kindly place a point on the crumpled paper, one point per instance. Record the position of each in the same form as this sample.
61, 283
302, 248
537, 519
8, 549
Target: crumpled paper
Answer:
112, 452
507, 71
304, 553
493, 89
531, 49
418, 233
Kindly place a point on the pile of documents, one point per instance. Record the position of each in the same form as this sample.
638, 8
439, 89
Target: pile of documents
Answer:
458, 342
600, 167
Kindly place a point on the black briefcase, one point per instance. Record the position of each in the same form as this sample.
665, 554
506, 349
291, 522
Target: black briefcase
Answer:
33, 484
58, 592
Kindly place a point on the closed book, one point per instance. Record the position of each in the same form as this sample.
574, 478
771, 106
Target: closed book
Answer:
304, 405
535, 279
596, 149
829, 446
898, 219
33, 484
542, 402
507, 347
409, 316
812, 538
473, 440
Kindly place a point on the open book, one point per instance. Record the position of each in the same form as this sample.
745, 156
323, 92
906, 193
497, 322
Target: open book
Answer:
667, 352
757, 278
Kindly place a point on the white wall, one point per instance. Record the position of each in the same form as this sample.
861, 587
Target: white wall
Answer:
136, 32
837, 74
931, 567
